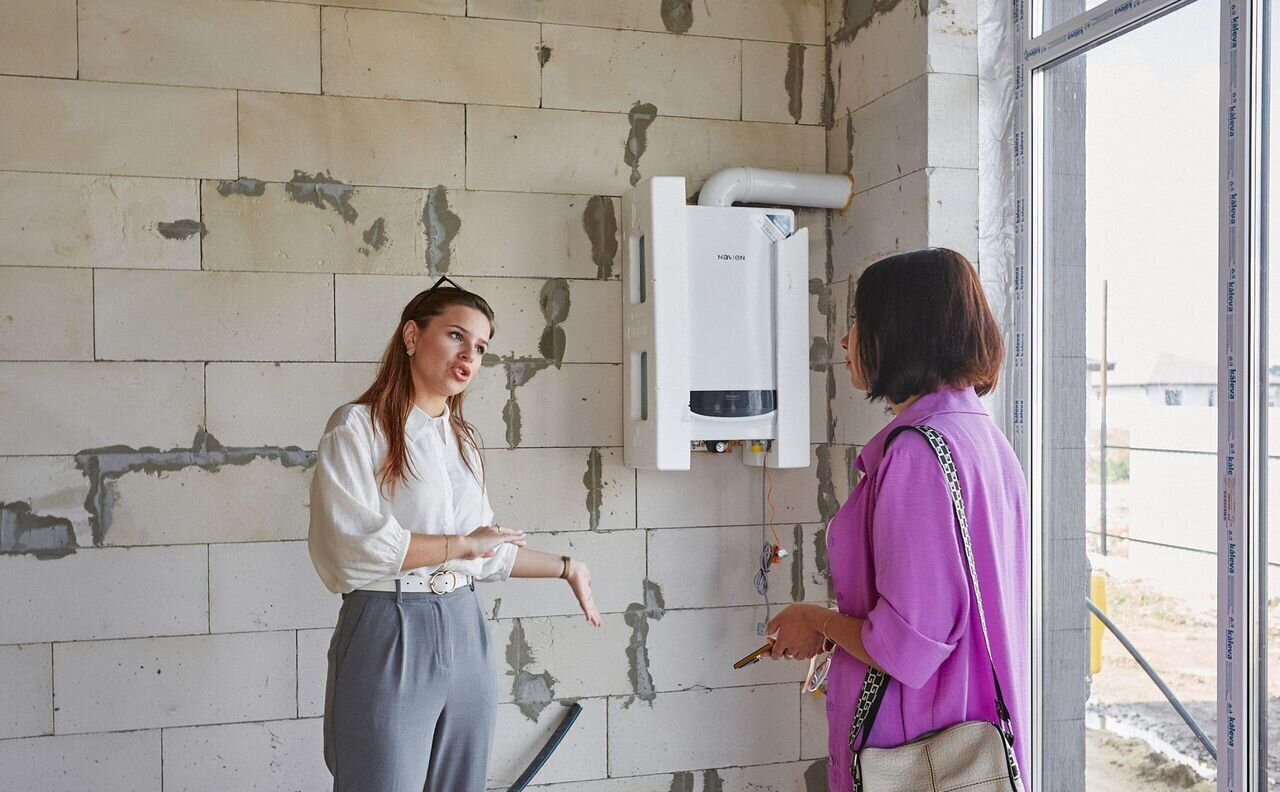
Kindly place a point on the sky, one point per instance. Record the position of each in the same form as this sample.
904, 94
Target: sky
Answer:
1152, 190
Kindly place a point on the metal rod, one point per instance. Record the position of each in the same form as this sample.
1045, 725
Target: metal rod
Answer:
1150, 543
1151, 672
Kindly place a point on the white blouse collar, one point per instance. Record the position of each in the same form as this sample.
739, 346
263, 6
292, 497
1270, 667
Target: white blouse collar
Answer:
420, 422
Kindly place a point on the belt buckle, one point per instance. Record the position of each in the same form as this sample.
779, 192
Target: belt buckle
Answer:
445, 587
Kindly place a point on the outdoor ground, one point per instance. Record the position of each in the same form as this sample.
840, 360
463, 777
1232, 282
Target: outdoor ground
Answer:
1179, 640
1116, 764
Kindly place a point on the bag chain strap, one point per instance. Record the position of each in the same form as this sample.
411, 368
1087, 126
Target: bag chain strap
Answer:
876, 682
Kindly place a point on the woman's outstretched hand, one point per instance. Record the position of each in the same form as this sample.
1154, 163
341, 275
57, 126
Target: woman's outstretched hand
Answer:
484, 541
798, 631
580, 582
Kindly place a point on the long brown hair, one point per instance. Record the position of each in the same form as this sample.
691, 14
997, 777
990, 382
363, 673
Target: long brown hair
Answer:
390, 397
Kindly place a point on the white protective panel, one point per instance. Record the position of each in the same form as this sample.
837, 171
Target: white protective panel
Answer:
655, 310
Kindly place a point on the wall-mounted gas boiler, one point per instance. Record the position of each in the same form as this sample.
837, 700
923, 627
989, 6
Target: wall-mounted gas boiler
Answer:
716, 318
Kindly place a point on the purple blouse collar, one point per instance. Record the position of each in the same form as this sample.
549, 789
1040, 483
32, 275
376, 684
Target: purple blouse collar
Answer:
946, 400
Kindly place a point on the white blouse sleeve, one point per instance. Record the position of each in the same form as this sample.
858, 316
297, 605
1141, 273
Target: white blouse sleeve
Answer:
496, 568
352, 542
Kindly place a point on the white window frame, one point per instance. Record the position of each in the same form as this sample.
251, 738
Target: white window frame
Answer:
1243, 376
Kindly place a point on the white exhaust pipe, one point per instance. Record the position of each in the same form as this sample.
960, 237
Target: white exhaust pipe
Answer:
775, 187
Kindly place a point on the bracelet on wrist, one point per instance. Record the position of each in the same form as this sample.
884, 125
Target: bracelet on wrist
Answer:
564, 574
827, 643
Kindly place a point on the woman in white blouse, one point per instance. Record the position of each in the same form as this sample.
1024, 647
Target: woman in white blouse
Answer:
401, 526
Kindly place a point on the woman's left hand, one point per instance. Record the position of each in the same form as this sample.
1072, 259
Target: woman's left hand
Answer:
798, 635
580, 582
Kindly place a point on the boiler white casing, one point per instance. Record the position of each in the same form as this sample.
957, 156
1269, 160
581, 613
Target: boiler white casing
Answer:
715, 329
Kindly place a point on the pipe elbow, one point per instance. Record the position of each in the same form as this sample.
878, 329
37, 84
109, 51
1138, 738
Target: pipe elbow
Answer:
725, 187
757, 185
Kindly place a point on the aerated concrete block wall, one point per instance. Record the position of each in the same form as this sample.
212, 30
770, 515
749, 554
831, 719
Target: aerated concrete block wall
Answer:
211, 212
904, 122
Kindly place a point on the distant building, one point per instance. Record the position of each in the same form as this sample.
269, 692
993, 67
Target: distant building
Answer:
1173, 381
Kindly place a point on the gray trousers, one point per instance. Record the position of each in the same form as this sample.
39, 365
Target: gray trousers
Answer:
411, 694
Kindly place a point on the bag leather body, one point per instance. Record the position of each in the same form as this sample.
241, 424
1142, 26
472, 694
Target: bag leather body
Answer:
973, 756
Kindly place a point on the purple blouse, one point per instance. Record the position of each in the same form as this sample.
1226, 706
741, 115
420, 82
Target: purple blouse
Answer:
897, 562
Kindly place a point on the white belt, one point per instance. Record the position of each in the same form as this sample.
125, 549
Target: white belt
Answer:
438, 582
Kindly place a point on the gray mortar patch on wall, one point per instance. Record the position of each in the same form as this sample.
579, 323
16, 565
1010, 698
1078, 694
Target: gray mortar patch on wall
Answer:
849, 134
439, 227
243, 186
323, 192
519, 371
820, 561
827, 503
601, 224
820, 290
104, 465
23, 532
832, 421
819, 354
857, 14
815, 777
682, 782
593, 480
638, 616
829, 263
544, 55
711, 781
532, 692
181, 229
554, 302
376, 236
677, 15
820, 349
797, 565
641, 115
829, 93
795, 81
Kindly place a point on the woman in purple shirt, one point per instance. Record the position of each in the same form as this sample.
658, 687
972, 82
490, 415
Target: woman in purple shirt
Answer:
923, 340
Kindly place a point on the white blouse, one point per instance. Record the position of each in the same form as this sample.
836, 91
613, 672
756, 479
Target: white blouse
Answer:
359, 536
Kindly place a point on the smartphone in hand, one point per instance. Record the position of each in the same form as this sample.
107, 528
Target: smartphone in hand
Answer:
754, 657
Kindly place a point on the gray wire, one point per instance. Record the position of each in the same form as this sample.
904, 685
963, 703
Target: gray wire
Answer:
762, 574
766, 552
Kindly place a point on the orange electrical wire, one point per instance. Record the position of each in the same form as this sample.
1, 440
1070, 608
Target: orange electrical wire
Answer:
777, 540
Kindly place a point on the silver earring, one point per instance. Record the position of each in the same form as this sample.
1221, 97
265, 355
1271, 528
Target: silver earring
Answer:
409, 352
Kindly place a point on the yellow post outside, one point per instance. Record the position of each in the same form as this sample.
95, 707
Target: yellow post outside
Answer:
1098, 593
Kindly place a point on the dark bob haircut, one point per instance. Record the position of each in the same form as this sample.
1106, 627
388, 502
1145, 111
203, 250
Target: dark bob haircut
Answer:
924, 323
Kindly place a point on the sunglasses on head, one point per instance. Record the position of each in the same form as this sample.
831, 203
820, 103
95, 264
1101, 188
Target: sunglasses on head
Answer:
416, 302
